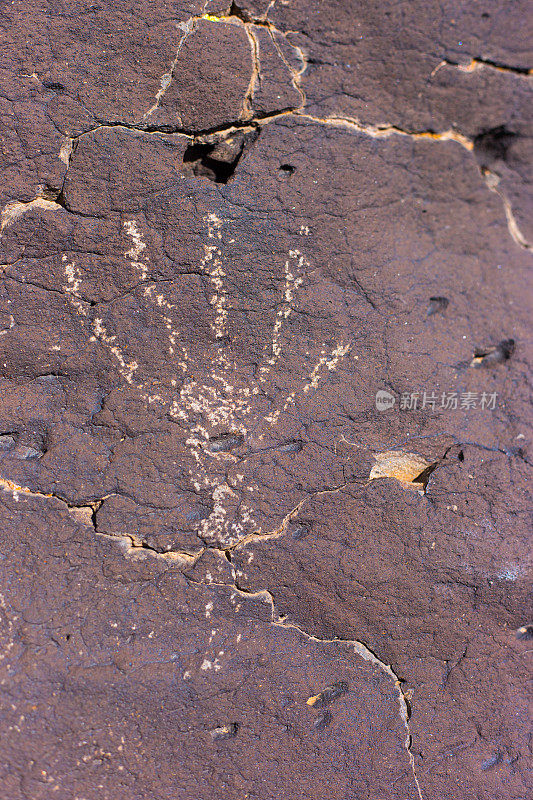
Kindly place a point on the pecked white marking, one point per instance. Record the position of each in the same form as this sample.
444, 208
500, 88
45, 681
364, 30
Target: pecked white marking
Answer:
136, 252
5, 331
127, 368
73, 276
291, 283
222, 403
219, 402
211, 264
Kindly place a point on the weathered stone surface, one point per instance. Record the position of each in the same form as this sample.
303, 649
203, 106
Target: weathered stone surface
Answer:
225, 229
424, 580
121, 672
212, 73
276, 85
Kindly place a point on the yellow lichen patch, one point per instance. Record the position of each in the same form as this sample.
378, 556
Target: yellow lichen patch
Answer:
313, 700
9, 486
16, 490
405, 467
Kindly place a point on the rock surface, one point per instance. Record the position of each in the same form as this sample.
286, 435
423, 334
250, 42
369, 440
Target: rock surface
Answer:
227, 231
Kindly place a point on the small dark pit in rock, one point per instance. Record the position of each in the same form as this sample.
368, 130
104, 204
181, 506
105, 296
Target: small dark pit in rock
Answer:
525, 632
437, 304
323, 720
225, 731
226, 442
217, 158
493, 145
299, 530
53, 86
494, 355
291, 447
24, 452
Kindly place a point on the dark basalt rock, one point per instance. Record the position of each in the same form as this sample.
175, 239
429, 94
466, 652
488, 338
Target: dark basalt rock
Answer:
228, 229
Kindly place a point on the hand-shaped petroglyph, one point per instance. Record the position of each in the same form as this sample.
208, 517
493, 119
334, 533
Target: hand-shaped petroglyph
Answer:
223, 410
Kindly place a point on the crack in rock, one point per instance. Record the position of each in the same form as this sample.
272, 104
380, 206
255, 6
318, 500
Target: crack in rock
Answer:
130, 545
12, 211
279, 621
234, 17
166, 79
385, 131
482, 63
247, 104
134, 547
493, 184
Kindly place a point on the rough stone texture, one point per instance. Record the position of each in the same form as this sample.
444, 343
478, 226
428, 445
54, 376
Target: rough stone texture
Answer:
225, 228
120, 671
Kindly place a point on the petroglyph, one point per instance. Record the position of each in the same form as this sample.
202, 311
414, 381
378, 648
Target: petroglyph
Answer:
225, 416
